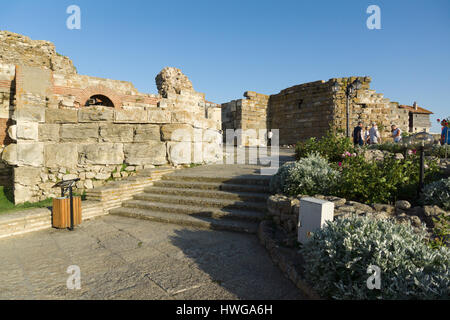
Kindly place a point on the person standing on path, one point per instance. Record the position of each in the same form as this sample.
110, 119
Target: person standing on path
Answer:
374, 134
366, 135
396, 133
358, 135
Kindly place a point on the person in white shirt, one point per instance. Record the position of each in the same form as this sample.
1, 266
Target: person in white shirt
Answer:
374, 134
366, 135
396, 133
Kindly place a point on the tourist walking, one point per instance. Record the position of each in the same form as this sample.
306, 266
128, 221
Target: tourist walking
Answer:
396, 133
374, 134
358, 135
366, 135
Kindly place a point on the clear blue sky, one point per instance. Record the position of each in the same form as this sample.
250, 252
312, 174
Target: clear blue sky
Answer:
228, 47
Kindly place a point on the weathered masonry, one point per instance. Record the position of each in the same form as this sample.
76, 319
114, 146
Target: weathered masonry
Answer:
310, 109
419, 118
56, 124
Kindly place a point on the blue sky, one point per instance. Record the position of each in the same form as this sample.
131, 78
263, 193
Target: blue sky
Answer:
228, 47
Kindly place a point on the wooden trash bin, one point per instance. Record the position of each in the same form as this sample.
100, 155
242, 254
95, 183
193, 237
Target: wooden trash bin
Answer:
61, 212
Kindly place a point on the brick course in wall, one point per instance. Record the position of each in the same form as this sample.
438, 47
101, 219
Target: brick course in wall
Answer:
82, 95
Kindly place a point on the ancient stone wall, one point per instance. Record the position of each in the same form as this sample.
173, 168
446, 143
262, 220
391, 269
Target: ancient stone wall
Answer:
7, 72
310, 109
74, 91
399, 116
249, 115
231, 116
369, 106
254, 118
58, 137
18, 49
301, 111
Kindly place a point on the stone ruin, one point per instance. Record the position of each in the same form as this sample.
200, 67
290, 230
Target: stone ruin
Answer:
56, 124
172, 80
310, 109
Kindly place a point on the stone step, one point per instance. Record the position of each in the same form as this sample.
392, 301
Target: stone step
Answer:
208, 194
211, 186
202, 211
187, 220
30, 223
259, 180
156, 172
230, 159
196, 201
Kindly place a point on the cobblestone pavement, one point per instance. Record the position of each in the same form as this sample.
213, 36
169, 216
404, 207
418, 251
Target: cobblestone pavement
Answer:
123, 258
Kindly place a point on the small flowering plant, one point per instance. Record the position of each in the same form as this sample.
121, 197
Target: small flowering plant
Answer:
348, 154
444, 122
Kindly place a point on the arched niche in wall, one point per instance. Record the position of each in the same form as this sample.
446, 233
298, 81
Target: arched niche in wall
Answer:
99, 100
101, 94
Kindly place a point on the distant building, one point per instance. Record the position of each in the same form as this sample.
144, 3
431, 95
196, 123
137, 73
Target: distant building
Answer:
419, 118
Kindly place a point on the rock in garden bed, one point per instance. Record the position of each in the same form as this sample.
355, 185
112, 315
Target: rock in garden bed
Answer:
284, 211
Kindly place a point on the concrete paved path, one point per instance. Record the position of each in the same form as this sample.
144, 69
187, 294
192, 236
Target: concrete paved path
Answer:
123, 258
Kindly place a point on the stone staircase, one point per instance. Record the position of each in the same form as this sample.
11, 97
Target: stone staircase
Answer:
203, 198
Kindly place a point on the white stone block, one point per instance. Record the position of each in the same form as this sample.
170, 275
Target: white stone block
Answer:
30, 154
27, 131
313, 214
12, 132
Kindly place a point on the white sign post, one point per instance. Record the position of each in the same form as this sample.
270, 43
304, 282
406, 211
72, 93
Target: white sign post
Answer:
312, 216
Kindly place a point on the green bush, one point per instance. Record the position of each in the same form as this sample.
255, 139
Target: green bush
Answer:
439, 151
331, 146
381, 181
337, 258
310, 175
441, 231
437, 193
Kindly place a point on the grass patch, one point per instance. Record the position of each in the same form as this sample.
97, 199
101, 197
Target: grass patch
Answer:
7, 202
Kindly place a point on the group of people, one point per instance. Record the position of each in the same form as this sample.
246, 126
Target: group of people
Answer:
365, 135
